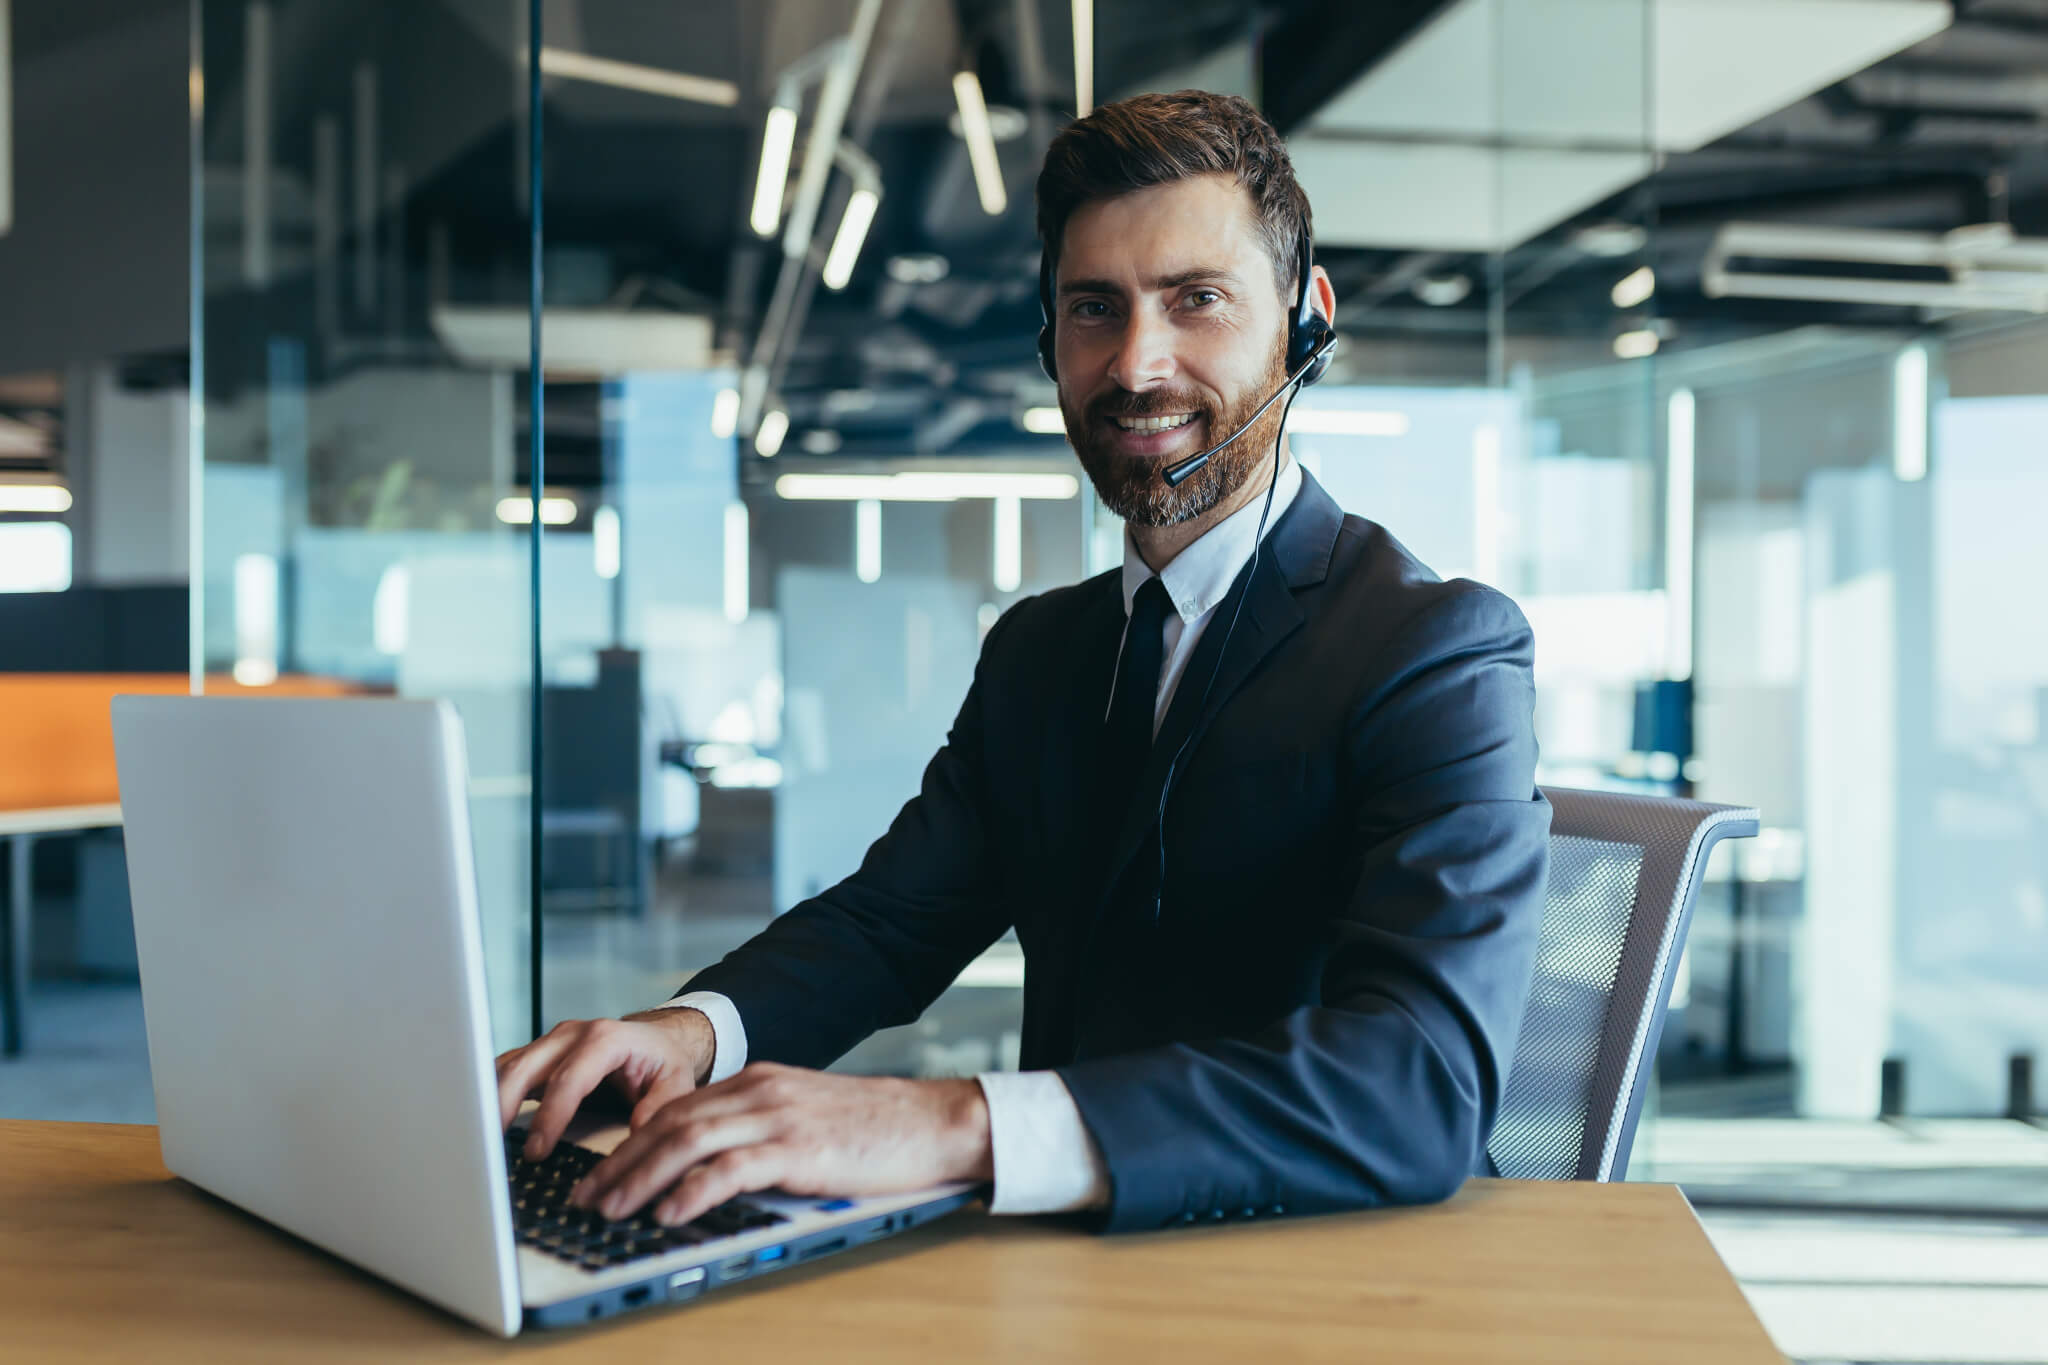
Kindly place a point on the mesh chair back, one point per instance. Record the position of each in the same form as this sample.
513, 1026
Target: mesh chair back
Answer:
1624, 873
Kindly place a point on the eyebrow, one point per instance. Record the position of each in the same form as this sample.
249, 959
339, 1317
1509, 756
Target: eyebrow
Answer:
1196, 274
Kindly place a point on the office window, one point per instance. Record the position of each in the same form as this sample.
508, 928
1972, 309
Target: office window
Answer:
35, 556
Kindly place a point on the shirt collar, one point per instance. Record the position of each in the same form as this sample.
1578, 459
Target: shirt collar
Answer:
1200, 575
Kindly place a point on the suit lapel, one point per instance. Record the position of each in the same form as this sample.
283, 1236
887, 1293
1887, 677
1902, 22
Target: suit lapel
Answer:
1079, 696
1298, 554
1270, 616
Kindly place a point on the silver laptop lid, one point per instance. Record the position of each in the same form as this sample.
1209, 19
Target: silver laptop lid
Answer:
307, 928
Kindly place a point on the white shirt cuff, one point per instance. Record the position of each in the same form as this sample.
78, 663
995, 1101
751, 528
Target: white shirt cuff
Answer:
1045, 1160
728, 1034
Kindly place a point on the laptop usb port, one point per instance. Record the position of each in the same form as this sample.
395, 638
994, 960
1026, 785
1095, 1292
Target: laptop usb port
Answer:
734, 1268
770, 1258
825, 1248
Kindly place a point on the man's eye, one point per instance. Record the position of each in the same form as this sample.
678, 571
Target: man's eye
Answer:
1202, 298
1091, 308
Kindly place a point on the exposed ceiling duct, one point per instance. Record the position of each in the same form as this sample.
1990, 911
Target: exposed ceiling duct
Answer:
2024, 95
1984, 266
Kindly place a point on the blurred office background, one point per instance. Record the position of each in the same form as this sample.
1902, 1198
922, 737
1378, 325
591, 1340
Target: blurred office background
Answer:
1710, 330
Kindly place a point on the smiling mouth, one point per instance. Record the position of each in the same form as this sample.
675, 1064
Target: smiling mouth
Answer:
1148, 425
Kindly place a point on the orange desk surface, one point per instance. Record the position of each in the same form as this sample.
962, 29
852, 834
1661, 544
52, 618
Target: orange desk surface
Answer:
57, 742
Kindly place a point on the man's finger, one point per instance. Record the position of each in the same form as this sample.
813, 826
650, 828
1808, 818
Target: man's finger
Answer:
654, 1157
597, 1054
658, 1164
726, 1176
664, 1092
733, 1095
524, 1070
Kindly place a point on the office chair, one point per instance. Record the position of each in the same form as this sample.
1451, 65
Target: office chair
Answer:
1624, 873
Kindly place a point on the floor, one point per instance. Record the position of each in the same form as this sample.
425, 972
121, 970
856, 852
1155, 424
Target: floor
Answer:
1869, 1288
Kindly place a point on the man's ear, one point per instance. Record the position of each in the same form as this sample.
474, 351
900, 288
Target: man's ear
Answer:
1321, 296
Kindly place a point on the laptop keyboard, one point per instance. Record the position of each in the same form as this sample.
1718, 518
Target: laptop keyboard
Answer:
543, 1219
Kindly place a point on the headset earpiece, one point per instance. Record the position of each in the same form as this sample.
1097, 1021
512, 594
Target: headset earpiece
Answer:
1310, 331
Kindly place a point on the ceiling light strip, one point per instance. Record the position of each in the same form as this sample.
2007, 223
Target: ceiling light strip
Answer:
1084, 57
1909, 414
1678, 533
778, 136
34, 497
1007, 573
925, 486
518, 511
651, 80
1635, 288
867, 540
828, 124
981, 143
1345, 422
738, 591
846, 244
768, 437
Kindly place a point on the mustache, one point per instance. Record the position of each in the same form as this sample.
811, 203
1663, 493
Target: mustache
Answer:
1151, 403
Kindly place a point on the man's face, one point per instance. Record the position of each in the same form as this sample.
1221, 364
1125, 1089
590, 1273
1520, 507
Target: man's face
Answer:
1170, 331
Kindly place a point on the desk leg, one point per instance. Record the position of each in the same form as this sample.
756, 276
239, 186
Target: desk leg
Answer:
14, 947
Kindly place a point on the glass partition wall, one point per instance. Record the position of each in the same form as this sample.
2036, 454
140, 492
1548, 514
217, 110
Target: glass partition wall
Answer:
361, 308
797, 456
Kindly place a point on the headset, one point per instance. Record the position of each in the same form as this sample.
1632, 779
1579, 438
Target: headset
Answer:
1310, 340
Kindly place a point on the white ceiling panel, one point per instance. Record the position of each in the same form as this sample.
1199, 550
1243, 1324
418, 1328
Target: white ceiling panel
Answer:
1450, 196
1574, 70
1685, 71
1398, 194
1502, 117
1540, 189
1440, 81
1724, 64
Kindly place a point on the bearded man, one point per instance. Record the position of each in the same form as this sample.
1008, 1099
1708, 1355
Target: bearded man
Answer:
1260, 805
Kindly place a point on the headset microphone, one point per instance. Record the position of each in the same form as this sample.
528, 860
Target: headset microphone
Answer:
1180, 470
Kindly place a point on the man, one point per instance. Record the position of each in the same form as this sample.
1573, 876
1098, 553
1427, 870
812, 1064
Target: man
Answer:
1266, 826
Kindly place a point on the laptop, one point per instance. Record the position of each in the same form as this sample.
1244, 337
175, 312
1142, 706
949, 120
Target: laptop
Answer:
312, 960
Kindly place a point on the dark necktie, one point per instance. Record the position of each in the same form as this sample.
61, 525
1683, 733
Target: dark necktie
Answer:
1113, 940
1127, 735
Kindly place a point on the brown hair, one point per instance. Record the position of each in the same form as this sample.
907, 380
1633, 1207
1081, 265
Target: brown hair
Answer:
1159, 139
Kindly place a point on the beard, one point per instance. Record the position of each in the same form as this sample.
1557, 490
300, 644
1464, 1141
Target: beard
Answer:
1132, 487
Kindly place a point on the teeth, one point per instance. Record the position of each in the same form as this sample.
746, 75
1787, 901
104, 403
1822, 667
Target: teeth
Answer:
1154, 423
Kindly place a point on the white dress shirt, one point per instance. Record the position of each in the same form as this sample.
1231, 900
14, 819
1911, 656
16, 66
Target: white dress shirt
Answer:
1045, 1161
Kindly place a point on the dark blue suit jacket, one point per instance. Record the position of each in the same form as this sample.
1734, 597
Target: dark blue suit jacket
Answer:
1321, 1014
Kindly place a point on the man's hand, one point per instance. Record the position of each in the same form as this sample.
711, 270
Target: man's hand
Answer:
805, 1132
650, 1059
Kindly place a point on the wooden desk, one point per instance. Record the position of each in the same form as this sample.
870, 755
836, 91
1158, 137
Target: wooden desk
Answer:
103, 1257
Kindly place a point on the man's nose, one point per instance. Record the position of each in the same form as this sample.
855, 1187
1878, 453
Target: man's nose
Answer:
1144, 356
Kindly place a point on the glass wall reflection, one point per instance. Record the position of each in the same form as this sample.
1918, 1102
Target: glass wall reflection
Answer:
361, 305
